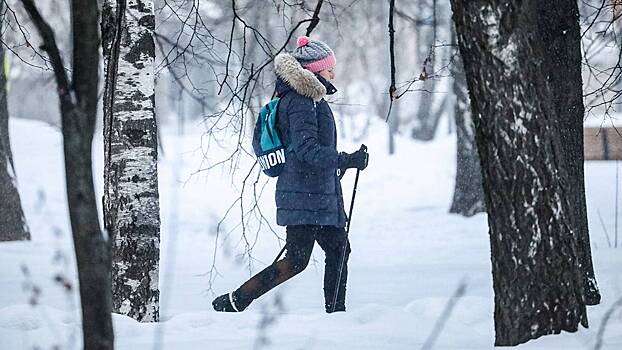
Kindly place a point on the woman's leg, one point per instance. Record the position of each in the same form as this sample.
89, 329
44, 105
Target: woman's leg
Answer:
332, 240
299, 245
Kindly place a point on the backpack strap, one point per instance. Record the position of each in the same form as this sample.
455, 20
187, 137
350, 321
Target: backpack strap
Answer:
289, 147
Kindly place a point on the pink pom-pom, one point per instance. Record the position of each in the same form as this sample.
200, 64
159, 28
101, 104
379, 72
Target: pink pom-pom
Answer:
302, 41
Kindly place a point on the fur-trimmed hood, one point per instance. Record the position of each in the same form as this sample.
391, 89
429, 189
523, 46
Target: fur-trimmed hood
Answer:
301, 80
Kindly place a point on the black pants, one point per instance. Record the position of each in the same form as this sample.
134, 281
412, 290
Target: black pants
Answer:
299, 245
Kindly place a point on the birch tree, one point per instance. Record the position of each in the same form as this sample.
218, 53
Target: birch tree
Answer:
536, 245
131, 203
78, 106
13, 225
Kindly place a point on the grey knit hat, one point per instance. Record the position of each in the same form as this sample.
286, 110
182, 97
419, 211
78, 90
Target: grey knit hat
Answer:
314, 55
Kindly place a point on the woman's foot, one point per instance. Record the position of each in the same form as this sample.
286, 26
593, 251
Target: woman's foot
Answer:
338, 308
226, 303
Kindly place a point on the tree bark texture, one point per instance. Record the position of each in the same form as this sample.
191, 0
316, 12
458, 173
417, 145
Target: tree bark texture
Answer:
131, 204
13, 225
535, 251
78, 123
562, 37
468, 198
78, 105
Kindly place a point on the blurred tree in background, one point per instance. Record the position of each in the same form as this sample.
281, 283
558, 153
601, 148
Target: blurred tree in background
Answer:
13, 225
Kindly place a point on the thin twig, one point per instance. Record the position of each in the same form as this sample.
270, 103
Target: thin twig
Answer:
49, 46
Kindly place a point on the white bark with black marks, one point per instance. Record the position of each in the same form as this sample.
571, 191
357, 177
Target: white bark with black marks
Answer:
131, 201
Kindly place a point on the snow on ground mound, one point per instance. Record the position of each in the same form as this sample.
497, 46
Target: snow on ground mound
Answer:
20, 318
408, 257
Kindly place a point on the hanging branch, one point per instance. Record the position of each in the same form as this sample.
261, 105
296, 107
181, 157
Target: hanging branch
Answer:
239, 90
397, 90
49, 45
601, 35
392, 88
12, 20
315, 19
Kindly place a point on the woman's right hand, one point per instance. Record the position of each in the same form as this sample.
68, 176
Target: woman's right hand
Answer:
357, 160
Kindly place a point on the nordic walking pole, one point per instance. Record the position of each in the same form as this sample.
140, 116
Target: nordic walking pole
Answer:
345, 245
351, 205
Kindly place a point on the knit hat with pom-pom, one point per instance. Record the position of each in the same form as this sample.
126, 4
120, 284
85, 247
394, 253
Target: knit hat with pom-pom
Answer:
314, 55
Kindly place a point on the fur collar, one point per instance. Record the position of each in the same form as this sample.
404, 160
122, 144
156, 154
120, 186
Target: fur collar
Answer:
301, 80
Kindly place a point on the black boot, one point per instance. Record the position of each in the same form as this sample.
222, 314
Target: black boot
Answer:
226, 303
332, 302
338, 308
329, 297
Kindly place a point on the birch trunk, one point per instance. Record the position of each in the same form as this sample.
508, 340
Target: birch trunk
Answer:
13, 225
131, 203
537, 274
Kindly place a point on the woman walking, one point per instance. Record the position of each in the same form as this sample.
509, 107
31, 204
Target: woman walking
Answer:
309, 200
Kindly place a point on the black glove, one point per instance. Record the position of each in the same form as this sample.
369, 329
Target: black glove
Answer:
358, 160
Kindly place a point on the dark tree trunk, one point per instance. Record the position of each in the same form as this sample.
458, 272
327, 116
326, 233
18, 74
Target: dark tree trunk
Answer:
563, 61
12, 221
468, 197
92, 247
131, 202
537, 279
78, 105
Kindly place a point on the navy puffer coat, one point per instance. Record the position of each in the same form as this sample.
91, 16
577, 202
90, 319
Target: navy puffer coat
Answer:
308, 191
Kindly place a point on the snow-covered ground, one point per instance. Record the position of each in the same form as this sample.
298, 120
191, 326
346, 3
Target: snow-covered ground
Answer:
408, 258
